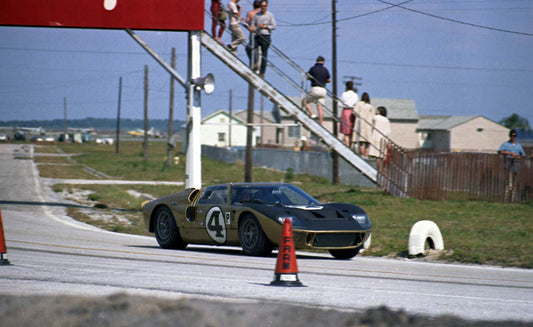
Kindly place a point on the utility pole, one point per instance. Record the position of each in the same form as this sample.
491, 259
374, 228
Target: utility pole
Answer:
262, 120
65, 118
230, 116
248, 161
334, 85
118, 113
145, 143
170, 144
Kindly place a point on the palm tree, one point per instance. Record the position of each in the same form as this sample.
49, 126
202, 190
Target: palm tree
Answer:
516, 122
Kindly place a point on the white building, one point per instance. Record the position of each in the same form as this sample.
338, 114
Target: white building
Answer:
461, 134
216, 130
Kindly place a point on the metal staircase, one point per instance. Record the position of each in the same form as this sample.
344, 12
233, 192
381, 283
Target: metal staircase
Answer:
287, 105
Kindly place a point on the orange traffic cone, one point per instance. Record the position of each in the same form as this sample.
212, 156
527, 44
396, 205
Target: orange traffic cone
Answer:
286, 273
3, 252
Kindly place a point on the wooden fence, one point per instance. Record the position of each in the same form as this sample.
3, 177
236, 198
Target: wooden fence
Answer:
455, 176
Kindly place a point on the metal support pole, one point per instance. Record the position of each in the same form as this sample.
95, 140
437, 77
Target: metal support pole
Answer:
193, 170
170, 146
118, 114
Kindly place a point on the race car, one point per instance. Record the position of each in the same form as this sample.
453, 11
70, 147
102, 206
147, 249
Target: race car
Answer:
251, 215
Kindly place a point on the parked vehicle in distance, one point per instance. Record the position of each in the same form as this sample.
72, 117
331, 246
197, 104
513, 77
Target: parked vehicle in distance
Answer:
3, 138
251, 215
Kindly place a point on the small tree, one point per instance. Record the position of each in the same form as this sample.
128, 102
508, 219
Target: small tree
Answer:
516, 122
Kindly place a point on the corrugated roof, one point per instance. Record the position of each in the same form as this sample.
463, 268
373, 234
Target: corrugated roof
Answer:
397, 109
221, 112
428, 122
268, 116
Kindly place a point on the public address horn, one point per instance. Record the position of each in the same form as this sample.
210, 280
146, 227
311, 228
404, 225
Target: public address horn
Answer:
206, 83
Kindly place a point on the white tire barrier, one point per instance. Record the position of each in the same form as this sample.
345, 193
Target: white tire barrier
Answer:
366, 244
422, 231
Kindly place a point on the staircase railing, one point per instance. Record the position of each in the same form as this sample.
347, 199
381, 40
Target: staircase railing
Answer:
390, 176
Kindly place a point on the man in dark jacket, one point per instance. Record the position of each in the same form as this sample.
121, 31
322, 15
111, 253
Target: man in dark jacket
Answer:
319, 76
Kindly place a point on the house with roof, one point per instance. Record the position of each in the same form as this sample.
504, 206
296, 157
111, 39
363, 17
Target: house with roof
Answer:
460, 134
408, 129
265, 125
402, 114
222, 130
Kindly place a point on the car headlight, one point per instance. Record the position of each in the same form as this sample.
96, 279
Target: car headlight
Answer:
361, 219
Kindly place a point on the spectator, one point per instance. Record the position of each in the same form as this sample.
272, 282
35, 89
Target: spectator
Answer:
218, 18
513, 151
319, 76
380, 132
347, 102
365, 116
262, 25
251, 14
251, 46
237, 35
305, 145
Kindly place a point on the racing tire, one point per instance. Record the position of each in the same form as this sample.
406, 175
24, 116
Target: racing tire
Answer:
424, 232
253, 240
167, 233
345, 254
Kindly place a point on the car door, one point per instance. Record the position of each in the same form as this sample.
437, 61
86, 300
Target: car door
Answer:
205, 223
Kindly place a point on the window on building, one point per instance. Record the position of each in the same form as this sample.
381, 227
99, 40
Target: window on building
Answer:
294, 131
221, 137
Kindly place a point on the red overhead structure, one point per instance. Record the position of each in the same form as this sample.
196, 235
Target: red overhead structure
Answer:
177, 15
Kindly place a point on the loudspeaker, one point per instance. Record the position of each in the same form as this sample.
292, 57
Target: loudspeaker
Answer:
206, 83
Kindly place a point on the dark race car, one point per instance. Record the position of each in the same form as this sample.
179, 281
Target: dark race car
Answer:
251, 215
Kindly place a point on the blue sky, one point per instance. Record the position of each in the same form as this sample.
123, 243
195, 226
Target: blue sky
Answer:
452, 57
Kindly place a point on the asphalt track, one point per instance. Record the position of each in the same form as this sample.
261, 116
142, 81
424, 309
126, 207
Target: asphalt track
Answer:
51, 254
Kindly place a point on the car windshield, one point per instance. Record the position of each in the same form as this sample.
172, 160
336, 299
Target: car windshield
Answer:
285, 194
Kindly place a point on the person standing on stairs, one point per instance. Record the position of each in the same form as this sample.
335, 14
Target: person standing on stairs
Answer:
237, 35
319, 76
251, 46
347, 102
217, 18
262, 25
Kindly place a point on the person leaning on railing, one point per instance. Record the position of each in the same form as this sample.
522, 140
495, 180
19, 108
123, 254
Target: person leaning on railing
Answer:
513, 151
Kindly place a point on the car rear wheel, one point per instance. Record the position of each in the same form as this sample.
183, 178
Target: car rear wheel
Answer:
253, 240
167, 233
345, 254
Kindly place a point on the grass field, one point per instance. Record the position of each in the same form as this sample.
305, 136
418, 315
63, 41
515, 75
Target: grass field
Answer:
474, 232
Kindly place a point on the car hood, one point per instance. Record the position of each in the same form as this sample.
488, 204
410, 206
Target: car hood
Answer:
331, 216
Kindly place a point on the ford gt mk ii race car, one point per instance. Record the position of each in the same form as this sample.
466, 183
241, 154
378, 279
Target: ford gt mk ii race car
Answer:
251, 215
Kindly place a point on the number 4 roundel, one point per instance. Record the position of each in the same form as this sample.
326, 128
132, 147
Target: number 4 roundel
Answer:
216, 227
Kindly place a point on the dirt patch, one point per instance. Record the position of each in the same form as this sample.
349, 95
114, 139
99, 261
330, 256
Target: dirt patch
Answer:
125, 310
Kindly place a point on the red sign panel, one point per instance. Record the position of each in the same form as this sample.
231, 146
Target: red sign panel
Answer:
180, 15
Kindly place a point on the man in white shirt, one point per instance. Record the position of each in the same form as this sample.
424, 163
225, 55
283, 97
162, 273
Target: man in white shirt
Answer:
262, 25
237, 34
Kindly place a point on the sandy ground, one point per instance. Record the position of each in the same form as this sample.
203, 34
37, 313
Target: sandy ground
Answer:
125, 310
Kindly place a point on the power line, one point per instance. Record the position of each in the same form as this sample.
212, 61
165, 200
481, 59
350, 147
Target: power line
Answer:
457, 21
400, 5
390, 64
348, 18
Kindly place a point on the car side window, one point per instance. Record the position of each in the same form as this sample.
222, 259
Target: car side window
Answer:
240, 195
218, 195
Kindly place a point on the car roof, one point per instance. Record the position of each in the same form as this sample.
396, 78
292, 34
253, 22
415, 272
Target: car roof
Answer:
254, 184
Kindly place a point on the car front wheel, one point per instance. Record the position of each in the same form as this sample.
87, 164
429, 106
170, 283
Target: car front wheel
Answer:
253, 240
167, 233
